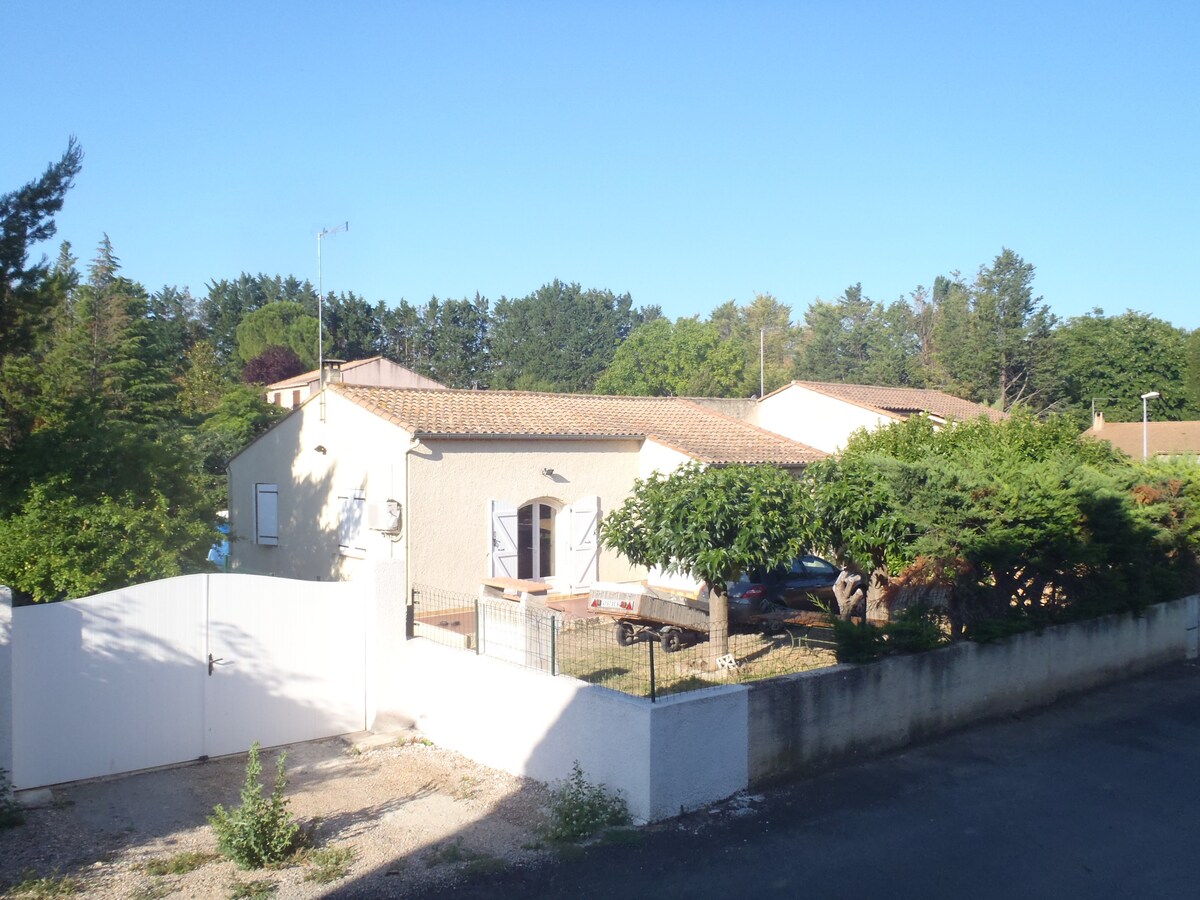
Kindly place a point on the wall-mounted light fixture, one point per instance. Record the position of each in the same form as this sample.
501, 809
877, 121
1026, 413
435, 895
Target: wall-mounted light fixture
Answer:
548, 472
320, 448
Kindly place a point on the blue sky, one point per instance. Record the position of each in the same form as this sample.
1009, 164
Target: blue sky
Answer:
686, 152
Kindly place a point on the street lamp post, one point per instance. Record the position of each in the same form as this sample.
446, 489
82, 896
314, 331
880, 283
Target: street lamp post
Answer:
1152, 395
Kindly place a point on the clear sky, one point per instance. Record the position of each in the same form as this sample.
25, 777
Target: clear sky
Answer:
686, 152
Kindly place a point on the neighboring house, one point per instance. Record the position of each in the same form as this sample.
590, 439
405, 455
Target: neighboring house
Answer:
466, 485
1157, 439
375, 371
825, 414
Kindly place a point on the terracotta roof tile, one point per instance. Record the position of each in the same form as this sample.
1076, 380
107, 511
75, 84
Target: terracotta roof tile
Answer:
904, 401
700, 433
1162, 438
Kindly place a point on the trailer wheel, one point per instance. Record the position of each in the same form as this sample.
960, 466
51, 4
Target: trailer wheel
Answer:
625, 635
672, 641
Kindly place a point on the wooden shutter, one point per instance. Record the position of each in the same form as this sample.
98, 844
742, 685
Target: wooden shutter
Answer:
584, 546
266, 514
504, 540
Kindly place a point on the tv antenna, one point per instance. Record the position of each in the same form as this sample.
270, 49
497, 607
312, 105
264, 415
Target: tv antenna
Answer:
345, 226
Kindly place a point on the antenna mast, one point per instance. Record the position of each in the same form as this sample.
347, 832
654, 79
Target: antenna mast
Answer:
345, 226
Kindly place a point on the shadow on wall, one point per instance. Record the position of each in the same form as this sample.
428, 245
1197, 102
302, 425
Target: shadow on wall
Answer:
122, 681
306, 549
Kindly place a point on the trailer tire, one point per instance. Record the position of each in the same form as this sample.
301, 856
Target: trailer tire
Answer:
625, 635
672, 641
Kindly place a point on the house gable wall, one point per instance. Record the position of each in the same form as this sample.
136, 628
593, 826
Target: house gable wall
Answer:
816, 419
362, 452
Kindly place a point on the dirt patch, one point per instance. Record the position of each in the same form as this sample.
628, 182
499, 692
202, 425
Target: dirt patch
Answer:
412, 815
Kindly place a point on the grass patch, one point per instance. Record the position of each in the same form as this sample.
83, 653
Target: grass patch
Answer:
251, 890
328, 864
449, 854
587, 650
156, 890
50, 886
485, 865
179, 864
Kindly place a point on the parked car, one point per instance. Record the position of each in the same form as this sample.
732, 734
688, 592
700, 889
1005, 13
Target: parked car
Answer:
794, 586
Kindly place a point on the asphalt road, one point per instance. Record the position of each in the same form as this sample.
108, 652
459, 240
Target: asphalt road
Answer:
1096, 797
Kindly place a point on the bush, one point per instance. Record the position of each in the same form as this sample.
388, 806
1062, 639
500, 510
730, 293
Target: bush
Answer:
916, 629
579, 809
11, 813
261, 831
857, 642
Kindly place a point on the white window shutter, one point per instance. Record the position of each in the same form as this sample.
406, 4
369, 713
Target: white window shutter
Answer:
584, 544
351, 523
266, 514
504, 540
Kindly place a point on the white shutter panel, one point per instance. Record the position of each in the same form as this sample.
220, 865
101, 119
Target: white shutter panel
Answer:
350, 525
504, 540
266, 514
584, 547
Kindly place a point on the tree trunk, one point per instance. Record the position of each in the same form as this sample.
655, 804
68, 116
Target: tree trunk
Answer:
718, 620
877, 585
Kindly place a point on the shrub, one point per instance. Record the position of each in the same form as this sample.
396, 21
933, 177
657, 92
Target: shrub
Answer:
261, 831
11, 813
916, 629
857, 642
578, 809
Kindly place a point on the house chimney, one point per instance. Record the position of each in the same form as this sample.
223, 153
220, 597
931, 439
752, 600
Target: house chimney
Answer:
1097, 420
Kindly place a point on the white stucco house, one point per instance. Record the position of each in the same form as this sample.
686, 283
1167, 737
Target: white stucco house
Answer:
464, 485
375, 371
824, 414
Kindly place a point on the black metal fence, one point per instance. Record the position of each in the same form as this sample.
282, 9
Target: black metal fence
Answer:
590, 649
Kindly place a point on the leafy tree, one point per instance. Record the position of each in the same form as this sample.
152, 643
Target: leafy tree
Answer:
857, 341
280, 324
1192, 372
763, 325
713, 523
558, 338
687, 358
1113, 360
456, 338
272, 365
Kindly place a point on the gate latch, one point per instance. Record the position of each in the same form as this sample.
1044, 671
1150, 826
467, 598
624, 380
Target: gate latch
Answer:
212, 662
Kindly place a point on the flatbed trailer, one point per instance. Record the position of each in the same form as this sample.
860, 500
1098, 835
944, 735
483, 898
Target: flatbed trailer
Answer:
644, 613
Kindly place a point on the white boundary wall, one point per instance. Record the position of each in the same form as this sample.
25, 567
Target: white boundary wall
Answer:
692, 749
681, 752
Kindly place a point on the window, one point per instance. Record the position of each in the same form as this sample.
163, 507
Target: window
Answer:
535, 540
352, 523
266, 514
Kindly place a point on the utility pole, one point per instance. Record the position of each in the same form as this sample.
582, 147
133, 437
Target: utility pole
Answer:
345, 226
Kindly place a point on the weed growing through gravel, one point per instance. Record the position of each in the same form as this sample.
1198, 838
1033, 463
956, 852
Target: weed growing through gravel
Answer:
579, 809
37, 888
11, 813
329, 864
251, 890
179, 864
261, 831
156, 890
449, 854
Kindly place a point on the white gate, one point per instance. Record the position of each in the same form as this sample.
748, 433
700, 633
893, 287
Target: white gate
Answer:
123, 681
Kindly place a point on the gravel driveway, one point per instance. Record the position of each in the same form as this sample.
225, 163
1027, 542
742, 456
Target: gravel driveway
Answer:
414, 815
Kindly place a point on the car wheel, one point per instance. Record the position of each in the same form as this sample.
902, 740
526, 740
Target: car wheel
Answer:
625, 635
672, 641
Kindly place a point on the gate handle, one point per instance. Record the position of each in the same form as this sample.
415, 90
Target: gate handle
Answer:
212, 662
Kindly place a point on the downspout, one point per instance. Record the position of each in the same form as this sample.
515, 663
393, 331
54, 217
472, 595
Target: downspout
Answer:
406, 524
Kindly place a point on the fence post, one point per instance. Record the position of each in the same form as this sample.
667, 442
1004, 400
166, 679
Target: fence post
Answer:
478, 628
7, 688
653, 696
553, 645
